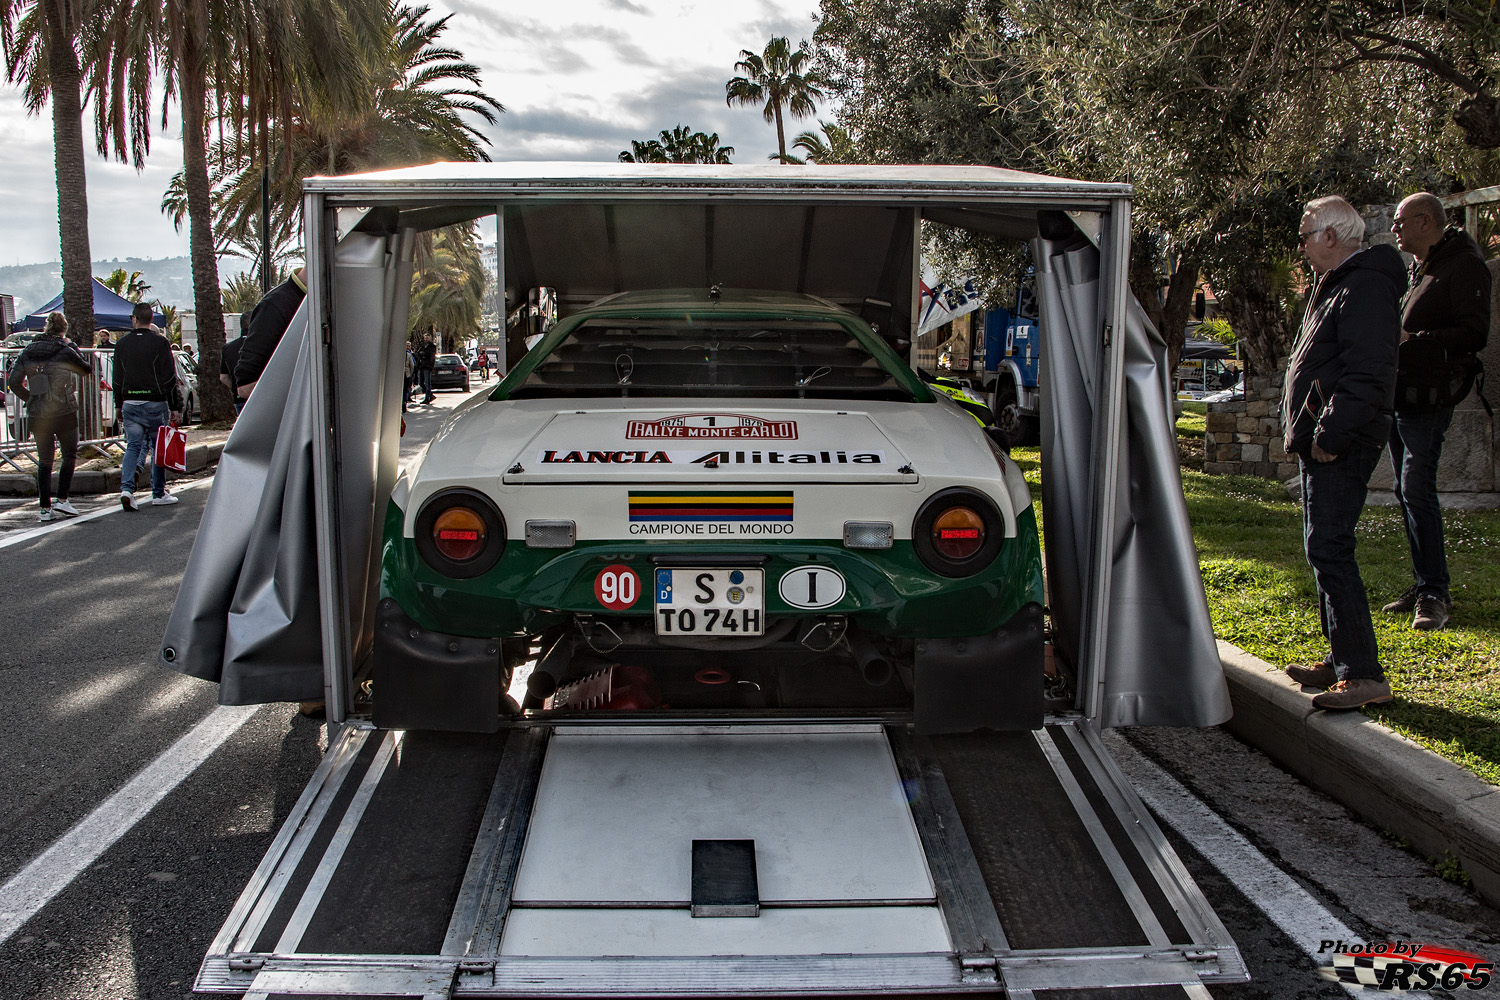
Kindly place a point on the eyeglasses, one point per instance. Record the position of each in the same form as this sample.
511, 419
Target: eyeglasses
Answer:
1398, 223
1302, 238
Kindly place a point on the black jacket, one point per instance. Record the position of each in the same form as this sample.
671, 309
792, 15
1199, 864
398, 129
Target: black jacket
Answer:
59, 363
1341, 380
426, 356
228, 358
144, 371
1447, 310
268, 321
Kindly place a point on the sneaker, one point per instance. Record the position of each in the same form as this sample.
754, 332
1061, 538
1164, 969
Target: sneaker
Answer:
127, 501
45, 514
1319, 675
163, 500
1431, 613
1404, 603
63, 507
1354, 693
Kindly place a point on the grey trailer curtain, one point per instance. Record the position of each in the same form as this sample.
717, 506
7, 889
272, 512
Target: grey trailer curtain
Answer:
1159, 660
247, 613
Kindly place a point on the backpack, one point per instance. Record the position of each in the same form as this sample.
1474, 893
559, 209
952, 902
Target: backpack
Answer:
52, 393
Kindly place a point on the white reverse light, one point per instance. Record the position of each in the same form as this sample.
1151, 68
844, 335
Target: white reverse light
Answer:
550, 534
868, 534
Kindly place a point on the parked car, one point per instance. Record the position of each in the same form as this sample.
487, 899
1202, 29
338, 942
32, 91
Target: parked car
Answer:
1235, 392
187, 374
450, 372
756, 475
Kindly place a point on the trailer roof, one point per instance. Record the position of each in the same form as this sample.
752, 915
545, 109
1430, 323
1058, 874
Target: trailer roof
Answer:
614, 181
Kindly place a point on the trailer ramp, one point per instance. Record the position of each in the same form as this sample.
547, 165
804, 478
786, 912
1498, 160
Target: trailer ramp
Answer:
864, 860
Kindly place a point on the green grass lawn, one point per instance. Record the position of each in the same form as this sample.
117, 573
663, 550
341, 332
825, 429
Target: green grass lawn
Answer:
1261, 597
1191, 423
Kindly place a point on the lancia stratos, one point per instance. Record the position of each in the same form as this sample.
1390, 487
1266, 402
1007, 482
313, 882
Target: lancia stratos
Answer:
711, 502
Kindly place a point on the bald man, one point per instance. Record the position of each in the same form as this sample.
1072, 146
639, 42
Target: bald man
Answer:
1445, 314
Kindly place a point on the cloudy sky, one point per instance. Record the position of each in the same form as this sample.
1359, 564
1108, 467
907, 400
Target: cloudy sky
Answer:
579, 79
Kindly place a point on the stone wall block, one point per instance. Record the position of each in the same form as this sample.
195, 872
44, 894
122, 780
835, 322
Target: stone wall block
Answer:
1219, 421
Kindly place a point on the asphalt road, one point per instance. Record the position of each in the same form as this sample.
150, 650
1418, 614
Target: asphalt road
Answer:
83, 708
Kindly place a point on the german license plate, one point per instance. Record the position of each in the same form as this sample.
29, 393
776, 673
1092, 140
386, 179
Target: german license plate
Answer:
694, 600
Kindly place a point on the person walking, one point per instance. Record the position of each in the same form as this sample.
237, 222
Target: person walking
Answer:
408, 375
426, 361
147, 395
45, 377
1445, 323
1336, 418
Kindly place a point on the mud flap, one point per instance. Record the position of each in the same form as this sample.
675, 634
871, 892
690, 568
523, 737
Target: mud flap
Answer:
429, 680
992, 681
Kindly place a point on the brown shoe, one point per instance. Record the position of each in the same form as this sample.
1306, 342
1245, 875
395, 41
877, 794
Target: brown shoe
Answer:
1319, 675
1354, 693
1431, 613
1404, 603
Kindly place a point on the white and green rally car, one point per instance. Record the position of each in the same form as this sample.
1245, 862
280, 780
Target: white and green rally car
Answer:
704, 502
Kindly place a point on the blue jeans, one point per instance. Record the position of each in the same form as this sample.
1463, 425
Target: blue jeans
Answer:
424, 380
1416, 445
1333, 495
141, 421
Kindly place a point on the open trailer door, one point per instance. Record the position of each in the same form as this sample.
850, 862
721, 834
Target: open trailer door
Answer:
837, 852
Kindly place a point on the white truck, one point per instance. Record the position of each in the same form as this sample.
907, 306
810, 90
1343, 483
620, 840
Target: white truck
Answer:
742, 848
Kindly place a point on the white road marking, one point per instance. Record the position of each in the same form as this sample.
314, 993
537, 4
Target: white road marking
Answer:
51, 871
26, 535
1275, 893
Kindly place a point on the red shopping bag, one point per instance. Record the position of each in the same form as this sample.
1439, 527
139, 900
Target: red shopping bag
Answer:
171, 448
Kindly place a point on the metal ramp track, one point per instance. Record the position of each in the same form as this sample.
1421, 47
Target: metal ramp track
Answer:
313, 919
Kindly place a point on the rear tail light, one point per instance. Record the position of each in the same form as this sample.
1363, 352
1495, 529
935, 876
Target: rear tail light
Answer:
460, 533
958, 532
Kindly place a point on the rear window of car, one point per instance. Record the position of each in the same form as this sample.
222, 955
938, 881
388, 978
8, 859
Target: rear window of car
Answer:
448, 359
689, 357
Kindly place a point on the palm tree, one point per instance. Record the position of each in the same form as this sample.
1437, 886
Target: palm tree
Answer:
680, 145
412, 111
447, 290
131, 286
41, 39
831, 146
236, 53
243, 292
777, 78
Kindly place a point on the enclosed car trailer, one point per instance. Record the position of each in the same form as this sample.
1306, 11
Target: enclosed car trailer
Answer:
845, 849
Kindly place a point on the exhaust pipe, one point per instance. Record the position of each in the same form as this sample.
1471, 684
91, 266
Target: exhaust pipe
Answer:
542, 683
873, 665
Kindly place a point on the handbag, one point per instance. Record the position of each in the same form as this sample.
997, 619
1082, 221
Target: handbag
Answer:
171, 447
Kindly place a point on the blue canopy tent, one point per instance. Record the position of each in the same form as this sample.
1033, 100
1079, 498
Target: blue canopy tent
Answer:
111, 312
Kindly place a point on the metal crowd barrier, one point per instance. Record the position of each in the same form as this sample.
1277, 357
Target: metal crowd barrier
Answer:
96, 409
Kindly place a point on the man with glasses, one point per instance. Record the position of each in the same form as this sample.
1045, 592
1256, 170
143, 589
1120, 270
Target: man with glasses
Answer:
1445, 315
1336, 417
